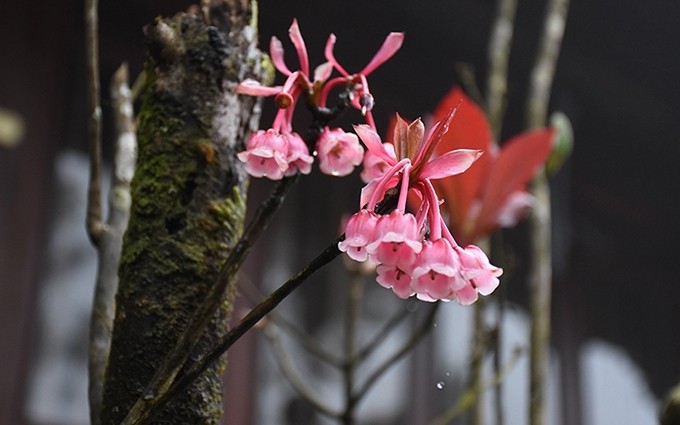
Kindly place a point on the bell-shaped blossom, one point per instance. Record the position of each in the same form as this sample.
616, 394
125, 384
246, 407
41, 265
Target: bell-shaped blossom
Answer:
266, 154
437, 272
477, 270
338, 152
359, 233
276, 152
396, 279
493, 192
299, 159
396, 240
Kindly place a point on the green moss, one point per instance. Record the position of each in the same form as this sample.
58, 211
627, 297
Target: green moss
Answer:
188, 208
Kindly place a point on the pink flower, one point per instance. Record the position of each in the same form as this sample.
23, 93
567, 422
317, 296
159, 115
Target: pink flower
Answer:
359, 233
396, 240
436, 275
476, 269
266, 154
298, 157
338, 152
396, 279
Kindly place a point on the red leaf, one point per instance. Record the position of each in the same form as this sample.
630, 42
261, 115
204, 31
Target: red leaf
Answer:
517, 163
469, 130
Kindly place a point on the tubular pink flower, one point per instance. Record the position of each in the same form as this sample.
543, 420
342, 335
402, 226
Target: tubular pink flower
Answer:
298, 157
265, 154
436, 273
477, 270
338, 152
396, 240
393, 277
359, 232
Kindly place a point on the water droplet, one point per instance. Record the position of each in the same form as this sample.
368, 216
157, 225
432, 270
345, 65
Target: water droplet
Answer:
448, 374
435, 325
440, 385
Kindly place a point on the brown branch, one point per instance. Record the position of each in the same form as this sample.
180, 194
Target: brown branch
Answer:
111, 240
414, 339
294, 379
94, 123
540, 274
498, 54
380, 336
305, 340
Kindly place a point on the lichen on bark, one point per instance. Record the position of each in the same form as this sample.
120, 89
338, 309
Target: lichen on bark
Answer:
188, 202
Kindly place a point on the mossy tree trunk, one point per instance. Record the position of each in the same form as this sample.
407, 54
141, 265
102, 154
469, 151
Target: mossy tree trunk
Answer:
188, 201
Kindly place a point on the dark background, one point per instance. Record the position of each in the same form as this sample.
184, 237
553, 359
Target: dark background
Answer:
616, 204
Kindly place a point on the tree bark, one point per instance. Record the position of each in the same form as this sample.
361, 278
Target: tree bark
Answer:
188, 202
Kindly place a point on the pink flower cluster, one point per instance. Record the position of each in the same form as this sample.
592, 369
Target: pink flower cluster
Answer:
279, 151
416, 253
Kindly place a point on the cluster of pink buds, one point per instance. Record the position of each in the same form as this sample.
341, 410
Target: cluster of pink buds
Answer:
416, 253
279, 151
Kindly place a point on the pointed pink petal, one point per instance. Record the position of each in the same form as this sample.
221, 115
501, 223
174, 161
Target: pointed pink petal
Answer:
449, 164
389, 47
299, 43
328, 52
254, 88
373, 143
276, 52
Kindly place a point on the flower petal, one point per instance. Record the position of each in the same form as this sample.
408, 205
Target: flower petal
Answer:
276, 52
389, 47
450, 164
255, 88
330, 57
299, 43
373, 143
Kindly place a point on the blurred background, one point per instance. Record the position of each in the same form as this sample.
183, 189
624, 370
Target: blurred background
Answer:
616, 300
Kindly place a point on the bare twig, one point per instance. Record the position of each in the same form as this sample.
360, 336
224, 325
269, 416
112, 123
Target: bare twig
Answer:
94, 123
305, 340
415, 338
540, 220
355, 292
498, 54
250, 320
380, 336
479, 348
111, 240
295, 380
